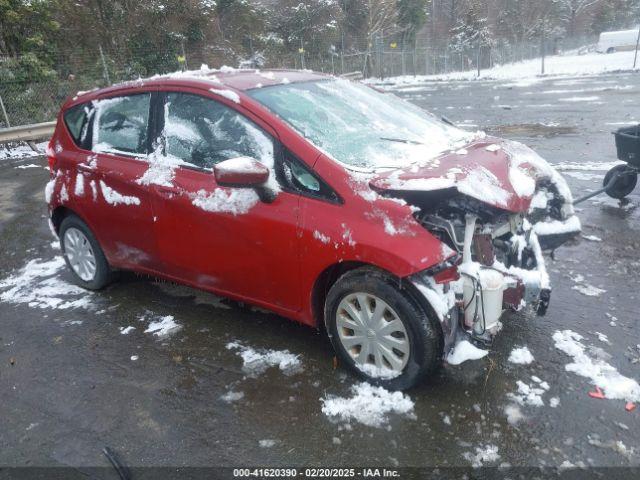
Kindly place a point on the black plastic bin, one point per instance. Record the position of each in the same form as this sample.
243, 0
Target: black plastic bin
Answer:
628, 145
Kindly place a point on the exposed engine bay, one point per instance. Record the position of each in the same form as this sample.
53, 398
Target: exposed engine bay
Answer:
499, 266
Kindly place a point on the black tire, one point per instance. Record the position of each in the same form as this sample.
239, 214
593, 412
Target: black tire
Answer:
624, 185
611, 50
103, 275
423, 328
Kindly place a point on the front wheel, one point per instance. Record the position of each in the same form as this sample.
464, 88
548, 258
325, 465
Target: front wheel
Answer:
381, 331
624, 184
83, 255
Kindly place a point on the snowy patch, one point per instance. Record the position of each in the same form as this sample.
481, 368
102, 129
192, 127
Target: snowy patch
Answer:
377, 372
228, 94
554, 402
236, 201
79, 187
514, 414
592, 238
601, 374
267, 443
493, 148
113, 197
321, 237
580, 99
530, 394
163, 326
368, 405
29, 165
232, 396
39, 285
521, 356
256, 362
463, 351
127, 330
557, 227
21, 151
589, 290
482, 456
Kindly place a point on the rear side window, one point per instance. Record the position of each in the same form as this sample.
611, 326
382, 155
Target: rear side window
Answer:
76, 120
120, 125
203, 132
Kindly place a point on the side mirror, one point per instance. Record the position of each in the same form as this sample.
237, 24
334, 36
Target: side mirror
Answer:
241, 172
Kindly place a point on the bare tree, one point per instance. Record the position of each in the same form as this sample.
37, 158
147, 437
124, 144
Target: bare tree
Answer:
573, 10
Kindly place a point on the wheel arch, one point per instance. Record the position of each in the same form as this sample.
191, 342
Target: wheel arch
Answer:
332, 273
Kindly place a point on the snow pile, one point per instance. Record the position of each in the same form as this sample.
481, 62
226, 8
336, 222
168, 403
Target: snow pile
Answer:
601, 374
113, 197
38, 285
127, 330
463, 351
29, 165
514, 414
374, 371
530, 394
163, 326
521, 356
235, 201
368, 405
575, 65
256, 362
232, 396
267, 443
589, 290
482, 455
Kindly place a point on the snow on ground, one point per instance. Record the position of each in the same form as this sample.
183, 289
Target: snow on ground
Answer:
482, 455
530, 393
590, 364
528, 70
127, 330
514, 414
256, 362
464, 351
21, 151
521, 356
29, 165
589, 290
163, 326
368, 405
38, 284
232, 396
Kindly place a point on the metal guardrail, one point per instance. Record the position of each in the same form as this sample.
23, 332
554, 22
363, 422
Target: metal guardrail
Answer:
27, 133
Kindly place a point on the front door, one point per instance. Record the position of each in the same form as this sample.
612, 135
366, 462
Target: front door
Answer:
221, 238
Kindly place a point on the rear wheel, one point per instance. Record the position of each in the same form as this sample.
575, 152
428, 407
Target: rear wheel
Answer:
83, 254
380, 331
625, 183
611, 50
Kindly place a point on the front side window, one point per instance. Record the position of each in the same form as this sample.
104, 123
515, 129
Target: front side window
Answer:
120, 124
203, 132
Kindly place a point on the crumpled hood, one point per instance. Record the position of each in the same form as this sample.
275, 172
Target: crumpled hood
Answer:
497, 172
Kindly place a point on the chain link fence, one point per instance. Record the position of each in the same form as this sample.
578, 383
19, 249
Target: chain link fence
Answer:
28, 98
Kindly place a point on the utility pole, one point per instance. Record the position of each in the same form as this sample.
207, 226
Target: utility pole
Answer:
104, 66
635, 57
542, 45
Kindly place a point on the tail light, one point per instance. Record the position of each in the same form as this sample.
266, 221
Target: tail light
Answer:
51, 158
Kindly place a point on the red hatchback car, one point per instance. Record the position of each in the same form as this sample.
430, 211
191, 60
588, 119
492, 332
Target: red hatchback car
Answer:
318, 198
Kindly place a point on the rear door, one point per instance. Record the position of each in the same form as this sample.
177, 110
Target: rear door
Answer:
121, 215
224, 238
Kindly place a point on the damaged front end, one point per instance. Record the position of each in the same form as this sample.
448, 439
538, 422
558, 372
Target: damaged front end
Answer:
499, 266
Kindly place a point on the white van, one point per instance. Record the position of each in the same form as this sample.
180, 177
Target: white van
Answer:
611, 42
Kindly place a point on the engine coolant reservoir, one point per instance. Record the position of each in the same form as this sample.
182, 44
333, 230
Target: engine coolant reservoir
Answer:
489, 303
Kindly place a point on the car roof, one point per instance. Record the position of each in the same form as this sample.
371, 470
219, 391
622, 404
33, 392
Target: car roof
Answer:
238, 79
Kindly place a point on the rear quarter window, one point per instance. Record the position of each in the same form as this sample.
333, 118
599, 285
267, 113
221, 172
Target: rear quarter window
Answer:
76, 120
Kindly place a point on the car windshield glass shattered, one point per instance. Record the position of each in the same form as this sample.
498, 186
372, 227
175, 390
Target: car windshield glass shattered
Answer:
359, 126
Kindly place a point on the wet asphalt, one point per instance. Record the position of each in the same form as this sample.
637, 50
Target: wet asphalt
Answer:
69, 387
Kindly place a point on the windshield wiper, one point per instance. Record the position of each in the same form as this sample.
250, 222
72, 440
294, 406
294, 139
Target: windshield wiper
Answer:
401, 140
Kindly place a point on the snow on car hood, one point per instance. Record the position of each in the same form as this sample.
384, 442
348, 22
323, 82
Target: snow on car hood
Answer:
497, 172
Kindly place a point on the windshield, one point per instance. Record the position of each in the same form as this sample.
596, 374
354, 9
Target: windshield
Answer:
359, 126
